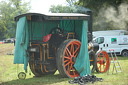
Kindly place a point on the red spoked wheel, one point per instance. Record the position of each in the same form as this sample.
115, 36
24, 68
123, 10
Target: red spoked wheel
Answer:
66, 57
102, 61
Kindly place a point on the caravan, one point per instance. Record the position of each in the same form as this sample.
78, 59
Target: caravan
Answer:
118, 43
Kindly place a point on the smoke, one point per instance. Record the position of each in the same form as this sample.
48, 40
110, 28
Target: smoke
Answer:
111, 18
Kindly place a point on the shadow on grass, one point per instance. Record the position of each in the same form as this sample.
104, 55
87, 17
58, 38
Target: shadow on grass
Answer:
48, 79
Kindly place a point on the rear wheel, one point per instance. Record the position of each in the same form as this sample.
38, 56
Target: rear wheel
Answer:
41, 63
40, 70
102, 61
66, 57
32, 67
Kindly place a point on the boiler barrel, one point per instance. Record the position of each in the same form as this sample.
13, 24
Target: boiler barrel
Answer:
94, 46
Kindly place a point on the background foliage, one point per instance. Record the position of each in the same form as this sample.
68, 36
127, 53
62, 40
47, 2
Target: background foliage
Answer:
107, 14
8, 10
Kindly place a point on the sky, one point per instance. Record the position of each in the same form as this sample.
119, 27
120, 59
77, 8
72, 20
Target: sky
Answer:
42, 6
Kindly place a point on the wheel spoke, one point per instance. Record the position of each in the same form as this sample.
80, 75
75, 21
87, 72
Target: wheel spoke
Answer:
67, 64
98, 58
107, 61
99, 67
68, 51
68, 69
76, 50
103, 57
72, 49
66, 61
71, 67
75, 55
67, 57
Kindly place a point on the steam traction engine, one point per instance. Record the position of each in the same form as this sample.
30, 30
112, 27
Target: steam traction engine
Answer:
54, 43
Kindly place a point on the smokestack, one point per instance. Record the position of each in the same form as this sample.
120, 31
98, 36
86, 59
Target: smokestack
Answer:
90, 23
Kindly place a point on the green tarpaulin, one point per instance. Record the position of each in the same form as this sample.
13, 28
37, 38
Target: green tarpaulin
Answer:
22, 43
82, 63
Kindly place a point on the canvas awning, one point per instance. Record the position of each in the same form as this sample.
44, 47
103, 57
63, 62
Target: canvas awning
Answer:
56, 16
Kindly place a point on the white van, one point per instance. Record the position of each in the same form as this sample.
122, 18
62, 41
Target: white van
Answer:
118, 43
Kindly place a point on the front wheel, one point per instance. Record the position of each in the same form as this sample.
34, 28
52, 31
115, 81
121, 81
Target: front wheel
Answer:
66, 57
102, 61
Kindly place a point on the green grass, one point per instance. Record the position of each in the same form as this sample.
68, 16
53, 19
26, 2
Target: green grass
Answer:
9, 72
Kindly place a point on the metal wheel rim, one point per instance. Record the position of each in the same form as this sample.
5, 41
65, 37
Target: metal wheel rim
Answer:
102, 61
70, 54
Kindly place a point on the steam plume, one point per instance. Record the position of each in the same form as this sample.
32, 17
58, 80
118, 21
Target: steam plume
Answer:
111, 18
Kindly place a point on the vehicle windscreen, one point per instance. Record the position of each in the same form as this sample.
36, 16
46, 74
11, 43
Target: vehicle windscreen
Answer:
99, 40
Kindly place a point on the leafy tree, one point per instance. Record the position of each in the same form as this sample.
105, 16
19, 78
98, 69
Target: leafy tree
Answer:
8, 10
100, 14
96, 5
71, 7
107, 14
60, 9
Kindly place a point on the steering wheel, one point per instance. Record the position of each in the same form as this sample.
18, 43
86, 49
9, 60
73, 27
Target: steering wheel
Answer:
58, 31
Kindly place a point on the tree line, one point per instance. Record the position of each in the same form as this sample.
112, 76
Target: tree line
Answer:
107, 14
8, 10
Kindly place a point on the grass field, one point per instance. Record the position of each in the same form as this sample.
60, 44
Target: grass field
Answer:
9, 72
